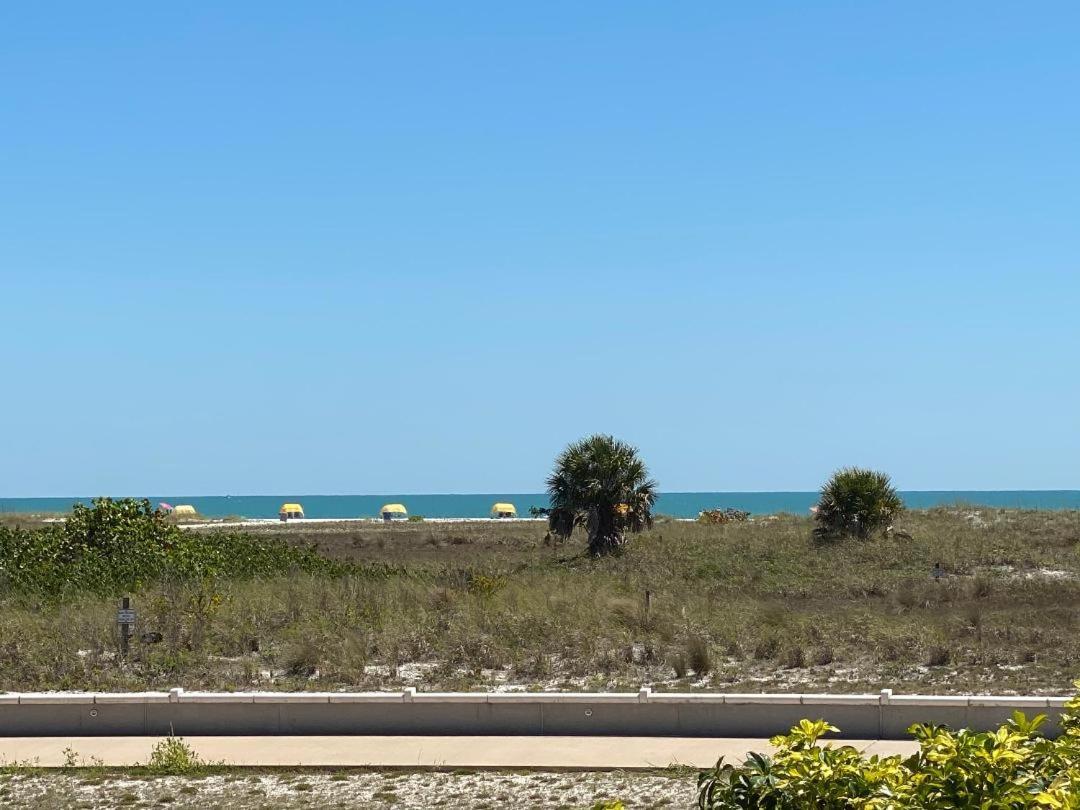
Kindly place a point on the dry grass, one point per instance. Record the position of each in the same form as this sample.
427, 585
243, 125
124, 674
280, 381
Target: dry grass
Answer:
28, 520
754, 606
421, 543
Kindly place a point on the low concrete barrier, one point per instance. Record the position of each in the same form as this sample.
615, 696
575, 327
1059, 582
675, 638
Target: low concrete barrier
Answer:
642, 714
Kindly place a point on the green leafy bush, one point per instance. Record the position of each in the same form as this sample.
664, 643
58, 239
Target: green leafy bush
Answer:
117, 546
1013, 767
174, 757
856, 503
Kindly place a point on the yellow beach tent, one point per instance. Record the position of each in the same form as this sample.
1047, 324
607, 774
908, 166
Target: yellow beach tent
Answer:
504, 510
184, 510
394, 511
291, 511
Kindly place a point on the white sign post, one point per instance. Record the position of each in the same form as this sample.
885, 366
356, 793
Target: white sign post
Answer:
125, 617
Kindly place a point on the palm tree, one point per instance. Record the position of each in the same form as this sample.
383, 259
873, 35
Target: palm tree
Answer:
856, 503
601, 484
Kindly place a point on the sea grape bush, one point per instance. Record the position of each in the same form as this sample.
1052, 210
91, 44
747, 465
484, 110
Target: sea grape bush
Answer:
119, 546
1013, 767
717, 516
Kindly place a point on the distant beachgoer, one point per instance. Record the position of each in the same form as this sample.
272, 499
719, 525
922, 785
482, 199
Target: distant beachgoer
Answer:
938, 571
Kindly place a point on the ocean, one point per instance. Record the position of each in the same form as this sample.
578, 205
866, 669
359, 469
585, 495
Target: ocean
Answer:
677, 504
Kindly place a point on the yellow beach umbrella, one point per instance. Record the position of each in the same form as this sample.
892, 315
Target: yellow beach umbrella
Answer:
291, 510
504, 510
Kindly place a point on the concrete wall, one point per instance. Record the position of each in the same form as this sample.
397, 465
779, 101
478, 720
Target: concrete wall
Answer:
645, 713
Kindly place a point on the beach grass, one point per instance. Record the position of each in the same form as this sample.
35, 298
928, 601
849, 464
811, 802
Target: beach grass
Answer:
29, 520
756, 606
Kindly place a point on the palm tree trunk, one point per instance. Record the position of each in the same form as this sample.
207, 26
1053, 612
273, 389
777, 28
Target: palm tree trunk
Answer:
604, 536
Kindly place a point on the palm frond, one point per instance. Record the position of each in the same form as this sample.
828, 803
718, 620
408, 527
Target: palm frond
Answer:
856, 503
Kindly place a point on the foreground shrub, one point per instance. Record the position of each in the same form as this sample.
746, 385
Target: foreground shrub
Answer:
174, 757
1013, 767
120, 546
856, 503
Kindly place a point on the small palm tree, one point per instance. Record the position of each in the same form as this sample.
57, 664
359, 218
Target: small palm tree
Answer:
601, 484
856, 503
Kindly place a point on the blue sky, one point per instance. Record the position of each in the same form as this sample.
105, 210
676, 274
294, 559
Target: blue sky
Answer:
418, 247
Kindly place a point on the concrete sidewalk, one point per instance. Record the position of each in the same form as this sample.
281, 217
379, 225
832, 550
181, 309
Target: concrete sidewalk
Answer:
575, 753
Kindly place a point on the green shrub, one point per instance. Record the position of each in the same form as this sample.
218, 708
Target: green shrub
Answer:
174, 757
120, 546
856, 503
698, 656
1013, 767
485, 585
793, 658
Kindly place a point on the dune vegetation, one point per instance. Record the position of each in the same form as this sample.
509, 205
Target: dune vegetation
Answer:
754, 605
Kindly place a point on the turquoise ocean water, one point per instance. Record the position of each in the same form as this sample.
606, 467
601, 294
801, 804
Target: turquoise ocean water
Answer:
678, 504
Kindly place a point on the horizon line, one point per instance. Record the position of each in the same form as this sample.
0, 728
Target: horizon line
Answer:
503, 492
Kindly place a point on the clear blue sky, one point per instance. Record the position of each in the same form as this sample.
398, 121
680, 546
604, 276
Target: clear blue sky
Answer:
417, 247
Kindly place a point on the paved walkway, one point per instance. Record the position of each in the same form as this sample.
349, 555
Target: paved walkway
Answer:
583, 753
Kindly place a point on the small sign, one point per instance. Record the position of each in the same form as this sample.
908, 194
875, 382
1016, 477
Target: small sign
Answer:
125, 616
